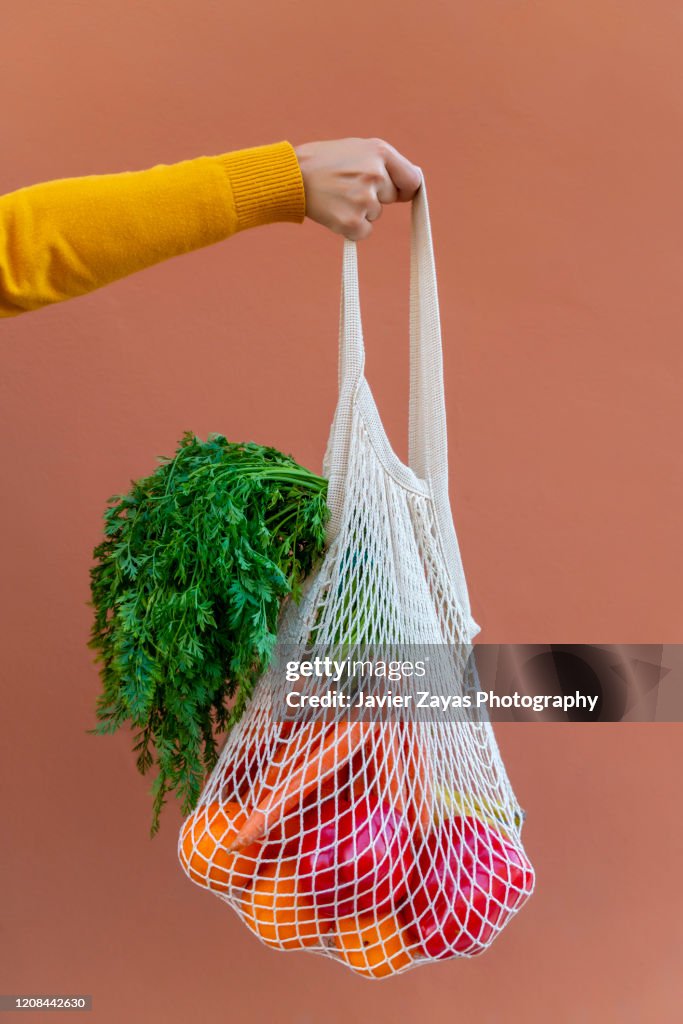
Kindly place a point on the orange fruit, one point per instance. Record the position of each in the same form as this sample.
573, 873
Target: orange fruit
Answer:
373, 948
278, 913
202, 854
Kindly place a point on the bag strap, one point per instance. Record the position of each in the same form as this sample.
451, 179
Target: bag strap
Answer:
351, 363
427, 433
427, 443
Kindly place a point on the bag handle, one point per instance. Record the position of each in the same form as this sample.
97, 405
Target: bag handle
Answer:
427, 441
427, 432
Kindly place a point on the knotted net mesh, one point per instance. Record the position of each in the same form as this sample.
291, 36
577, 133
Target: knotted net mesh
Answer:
378, 833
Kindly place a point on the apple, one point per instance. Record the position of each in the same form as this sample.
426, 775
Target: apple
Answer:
467, 882
354, 857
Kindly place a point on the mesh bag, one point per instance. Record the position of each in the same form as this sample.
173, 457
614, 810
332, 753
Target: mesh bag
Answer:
383, 840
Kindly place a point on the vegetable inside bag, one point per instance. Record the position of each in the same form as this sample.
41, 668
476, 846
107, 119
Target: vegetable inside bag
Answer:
383, 837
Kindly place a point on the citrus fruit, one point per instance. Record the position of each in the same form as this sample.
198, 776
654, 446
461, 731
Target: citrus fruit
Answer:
278, 913
374, 948
202, 854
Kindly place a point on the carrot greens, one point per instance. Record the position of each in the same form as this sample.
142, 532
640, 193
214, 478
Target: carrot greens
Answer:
187, 587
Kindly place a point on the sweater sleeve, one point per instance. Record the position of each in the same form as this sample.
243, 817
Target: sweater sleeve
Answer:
64, 238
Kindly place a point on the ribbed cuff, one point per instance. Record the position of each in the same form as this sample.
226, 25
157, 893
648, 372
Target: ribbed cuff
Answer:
267, 184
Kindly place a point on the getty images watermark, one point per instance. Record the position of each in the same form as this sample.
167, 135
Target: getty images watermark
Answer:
497, 682
330, 670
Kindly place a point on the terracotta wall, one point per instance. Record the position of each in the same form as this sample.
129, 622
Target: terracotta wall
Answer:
550, 137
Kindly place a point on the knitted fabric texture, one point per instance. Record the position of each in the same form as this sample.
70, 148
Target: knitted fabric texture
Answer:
65, 238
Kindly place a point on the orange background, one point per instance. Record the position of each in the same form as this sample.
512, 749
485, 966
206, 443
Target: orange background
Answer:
550, 137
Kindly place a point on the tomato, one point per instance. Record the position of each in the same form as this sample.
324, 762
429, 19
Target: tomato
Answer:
466, 884
354, 857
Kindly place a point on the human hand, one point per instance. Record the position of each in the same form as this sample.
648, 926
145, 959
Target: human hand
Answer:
348, 181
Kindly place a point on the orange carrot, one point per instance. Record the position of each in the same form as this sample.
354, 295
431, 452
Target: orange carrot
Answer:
240, 775
235, 773
327, 757
380, 765
288, 755
420, 806
391, 774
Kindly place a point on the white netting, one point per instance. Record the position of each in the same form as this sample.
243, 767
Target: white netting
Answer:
382, 843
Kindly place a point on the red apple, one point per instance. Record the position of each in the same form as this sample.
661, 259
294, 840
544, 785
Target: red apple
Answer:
512, 876
466, 883
354, 857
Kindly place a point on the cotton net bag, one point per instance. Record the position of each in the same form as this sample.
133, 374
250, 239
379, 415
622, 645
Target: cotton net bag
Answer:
385, 837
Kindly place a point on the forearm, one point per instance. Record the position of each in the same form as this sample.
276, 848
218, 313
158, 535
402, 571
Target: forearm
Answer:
64, 238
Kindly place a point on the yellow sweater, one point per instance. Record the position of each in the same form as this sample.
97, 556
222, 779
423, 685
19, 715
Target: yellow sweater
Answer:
63, 238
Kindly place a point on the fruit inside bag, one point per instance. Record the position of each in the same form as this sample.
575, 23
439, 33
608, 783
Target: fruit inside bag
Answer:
348, 838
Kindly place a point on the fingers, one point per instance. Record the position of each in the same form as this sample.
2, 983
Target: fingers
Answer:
349, 181
386, 190
399, 183
360, 230
405, 176
374, 210
361, 226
